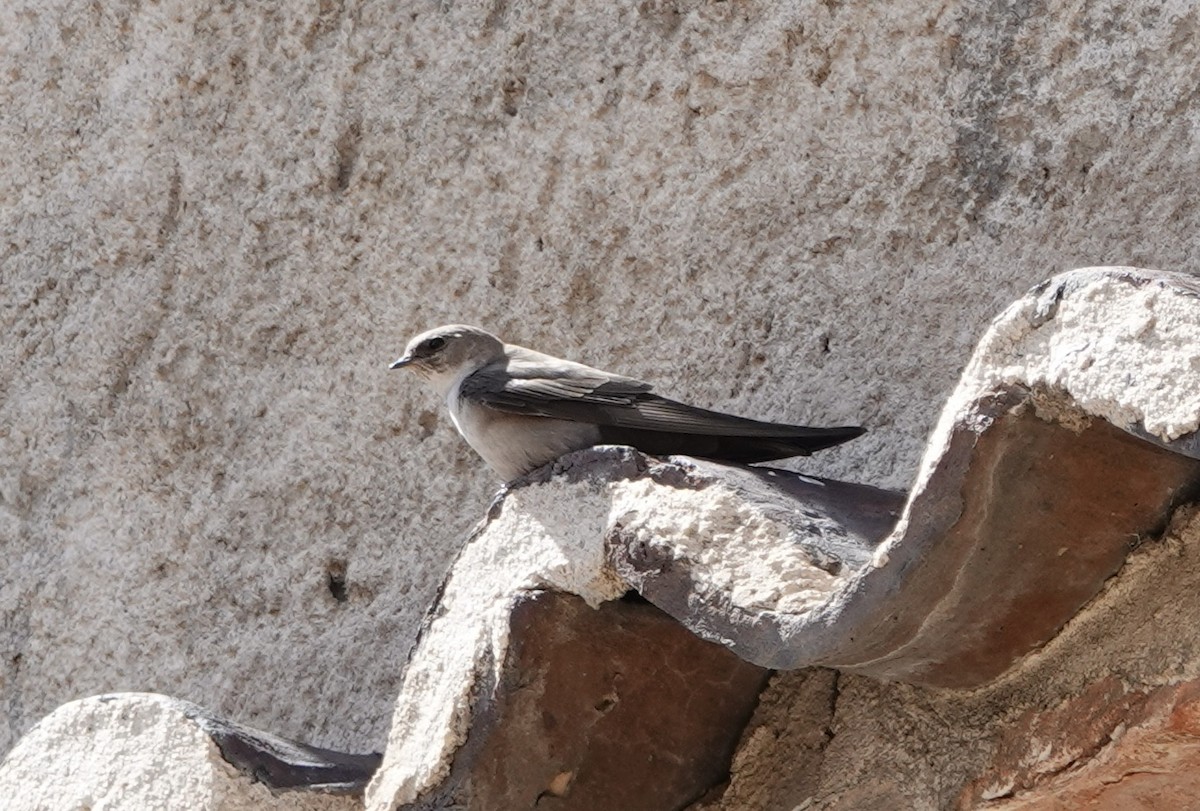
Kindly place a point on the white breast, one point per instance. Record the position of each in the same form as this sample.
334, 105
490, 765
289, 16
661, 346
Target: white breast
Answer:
512, 444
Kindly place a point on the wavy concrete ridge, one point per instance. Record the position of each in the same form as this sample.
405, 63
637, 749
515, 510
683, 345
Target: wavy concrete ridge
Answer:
1036, 483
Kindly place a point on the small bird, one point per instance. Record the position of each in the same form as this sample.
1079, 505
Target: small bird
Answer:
520, 409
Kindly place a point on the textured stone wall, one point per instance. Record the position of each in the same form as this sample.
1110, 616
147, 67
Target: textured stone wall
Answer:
219, 222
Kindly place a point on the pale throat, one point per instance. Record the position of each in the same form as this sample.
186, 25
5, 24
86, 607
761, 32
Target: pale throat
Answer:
447, 383
443, 381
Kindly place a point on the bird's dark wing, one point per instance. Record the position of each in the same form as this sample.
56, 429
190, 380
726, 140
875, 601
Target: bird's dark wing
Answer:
629, 413
565, 391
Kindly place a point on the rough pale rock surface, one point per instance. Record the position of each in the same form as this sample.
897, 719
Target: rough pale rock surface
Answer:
220, 221
136, 751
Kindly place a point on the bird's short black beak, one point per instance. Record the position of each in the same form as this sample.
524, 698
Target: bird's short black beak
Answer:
401, 362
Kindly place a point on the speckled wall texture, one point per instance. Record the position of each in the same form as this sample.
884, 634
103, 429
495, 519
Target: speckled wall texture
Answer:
220, 221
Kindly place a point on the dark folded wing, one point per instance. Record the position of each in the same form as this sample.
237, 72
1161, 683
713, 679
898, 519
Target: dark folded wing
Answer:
581, 394
569, 393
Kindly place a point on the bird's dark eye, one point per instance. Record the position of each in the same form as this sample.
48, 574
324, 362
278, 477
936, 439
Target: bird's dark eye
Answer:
434, 344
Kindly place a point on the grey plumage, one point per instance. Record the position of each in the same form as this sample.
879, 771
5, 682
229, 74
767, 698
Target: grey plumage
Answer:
521, 409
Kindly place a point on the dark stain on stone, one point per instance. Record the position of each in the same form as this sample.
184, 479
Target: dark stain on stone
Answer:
513, 93
347, 155
987, 54
662, 17
335, 579
170, 219
427, 422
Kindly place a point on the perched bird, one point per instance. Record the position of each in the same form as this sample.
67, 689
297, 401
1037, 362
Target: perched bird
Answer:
520, 409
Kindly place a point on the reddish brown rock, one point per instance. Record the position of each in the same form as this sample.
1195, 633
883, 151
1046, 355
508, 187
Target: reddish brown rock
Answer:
1109, 749
1016, 542
596, 710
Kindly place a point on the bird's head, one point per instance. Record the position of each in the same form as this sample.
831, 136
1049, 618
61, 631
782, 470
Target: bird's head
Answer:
444, 354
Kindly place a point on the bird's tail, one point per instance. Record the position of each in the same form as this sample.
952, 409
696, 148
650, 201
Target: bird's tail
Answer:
791, 440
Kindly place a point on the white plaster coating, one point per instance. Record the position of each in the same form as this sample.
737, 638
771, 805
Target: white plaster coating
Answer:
740, 551
133, 751
1128, 353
